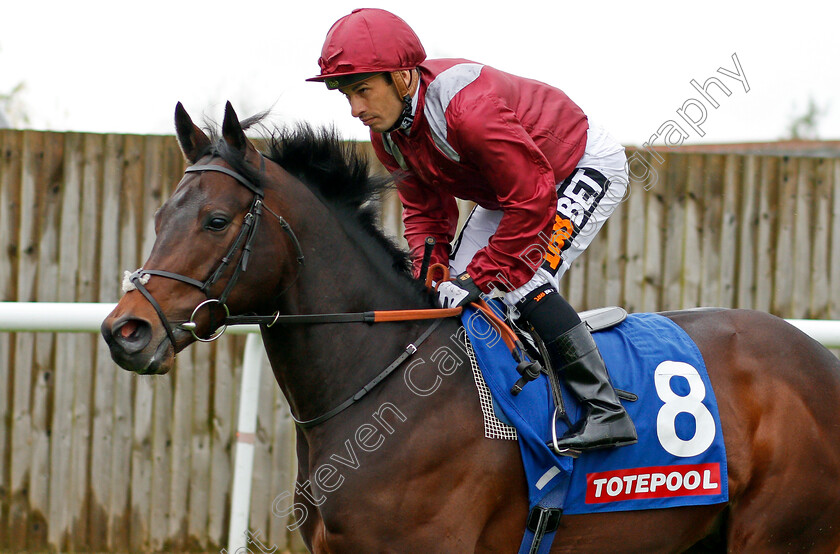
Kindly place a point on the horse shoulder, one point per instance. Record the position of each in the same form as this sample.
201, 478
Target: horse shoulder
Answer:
413, 451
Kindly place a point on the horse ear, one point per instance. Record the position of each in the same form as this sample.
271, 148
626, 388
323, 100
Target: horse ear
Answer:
192, 139
232, 130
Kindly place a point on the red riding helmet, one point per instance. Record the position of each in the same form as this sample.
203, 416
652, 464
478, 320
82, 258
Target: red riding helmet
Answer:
364, 43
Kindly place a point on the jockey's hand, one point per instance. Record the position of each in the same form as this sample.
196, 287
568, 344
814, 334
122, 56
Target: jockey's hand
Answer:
458, 292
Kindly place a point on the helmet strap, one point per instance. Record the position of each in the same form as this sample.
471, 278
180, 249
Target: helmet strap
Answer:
402, 89
406, 118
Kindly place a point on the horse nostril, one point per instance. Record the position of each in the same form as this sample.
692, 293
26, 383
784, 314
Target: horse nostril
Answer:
132, 335
129, 328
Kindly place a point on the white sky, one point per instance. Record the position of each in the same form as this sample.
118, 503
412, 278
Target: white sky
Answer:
121, 66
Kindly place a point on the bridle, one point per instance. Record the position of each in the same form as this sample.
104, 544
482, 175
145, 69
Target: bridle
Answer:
245, 239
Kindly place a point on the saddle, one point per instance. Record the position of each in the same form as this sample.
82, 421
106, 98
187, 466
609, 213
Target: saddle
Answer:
596, 320
603, 318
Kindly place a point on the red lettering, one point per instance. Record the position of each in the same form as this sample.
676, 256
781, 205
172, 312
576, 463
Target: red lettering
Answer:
653, 482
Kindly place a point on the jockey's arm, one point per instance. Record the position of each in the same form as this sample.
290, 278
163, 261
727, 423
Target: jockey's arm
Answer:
491, 138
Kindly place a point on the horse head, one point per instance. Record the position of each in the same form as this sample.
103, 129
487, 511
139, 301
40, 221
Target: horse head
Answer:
219, 228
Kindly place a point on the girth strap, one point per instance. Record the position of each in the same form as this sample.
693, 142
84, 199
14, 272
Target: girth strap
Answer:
543, 523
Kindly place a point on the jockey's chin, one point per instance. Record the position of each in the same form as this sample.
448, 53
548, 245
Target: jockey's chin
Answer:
376, 124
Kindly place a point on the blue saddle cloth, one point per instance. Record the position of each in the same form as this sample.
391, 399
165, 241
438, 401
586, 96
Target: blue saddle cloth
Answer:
680, 458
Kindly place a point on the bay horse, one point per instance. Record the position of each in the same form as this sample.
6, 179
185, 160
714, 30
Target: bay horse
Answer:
292, 232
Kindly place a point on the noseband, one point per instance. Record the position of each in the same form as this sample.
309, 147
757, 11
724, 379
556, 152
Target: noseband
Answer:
244, 240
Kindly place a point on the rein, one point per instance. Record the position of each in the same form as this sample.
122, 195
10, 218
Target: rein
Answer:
378, 316
243, 242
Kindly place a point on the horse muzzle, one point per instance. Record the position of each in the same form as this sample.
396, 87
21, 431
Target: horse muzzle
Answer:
135, 346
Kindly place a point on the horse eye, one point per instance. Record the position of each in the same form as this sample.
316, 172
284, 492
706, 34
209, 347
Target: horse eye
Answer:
216, 224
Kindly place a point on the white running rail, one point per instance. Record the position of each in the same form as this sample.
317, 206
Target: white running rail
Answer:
86, 317
83, 317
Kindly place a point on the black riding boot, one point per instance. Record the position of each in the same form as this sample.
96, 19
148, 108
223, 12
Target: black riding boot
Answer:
576, 358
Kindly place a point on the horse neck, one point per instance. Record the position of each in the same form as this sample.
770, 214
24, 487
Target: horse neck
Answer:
319, 366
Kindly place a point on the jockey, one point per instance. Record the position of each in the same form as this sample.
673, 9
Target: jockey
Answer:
544, 180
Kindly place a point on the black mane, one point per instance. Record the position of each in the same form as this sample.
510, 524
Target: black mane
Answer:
333, 169
340, 175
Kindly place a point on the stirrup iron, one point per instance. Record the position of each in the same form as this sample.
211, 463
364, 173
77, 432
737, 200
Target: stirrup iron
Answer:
570, 452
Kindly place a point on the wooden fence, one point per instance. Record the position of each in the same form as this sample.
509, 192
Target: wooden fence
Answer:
93, 458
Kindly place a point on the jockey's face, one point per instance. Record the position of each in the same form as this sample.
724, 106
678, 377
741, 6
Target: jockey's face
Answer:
375, 102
